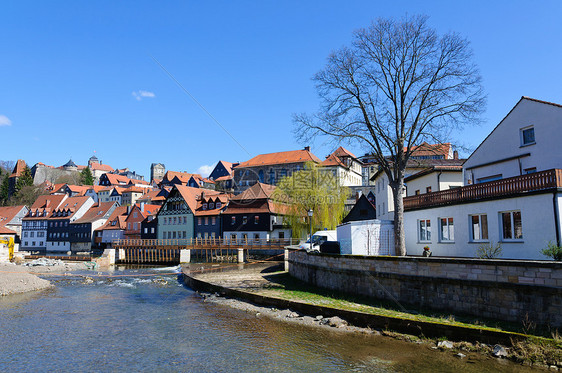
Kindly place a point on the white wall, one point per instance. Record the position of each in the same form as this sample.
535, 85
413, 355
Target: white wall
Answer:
367, 237
538, 225
446, 180
505, 142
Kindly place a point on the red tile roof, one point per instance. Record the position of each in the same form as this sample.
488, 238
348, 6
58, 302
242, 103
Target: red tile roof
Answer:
96, 212
118, 215
191, 195
8, 213
18, 169
257, 191
426, 149
4, 230
72, 204
101, 167
292, 156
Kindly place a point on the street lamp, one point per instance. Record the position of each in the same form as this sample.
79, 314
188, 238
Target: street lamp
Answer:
310, 212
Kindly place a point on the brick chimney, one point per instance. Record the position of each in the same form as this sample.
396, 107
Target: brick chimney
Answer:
307, 148
455, 155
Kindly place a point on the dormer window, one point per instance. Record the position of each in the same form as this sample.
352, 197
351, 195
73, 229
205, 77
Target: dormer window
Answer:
204, 206
527, 136
219, 205
211, 205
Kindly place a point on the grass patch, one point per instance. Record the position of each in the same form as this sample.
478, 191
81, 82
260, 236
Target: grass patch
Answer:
284, 286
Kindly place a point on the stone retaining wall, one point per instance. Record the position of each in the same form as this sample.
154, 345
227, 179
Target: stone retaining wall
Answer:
497, 289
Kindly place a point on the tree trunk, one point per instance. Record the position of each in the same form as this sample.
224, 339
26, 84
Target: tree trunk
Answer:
399, 237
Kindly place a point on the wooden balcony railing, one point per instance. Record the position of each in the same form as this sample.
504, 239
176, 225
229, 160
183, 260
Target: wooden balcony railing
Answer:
513, 186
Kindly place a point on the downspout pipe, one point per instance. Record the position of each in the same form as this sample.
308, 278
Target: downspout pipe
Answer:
556, 216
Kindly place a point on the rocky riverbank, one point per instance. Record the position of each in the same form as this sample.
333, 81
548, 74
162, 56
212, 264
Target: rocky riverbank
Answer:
23, 277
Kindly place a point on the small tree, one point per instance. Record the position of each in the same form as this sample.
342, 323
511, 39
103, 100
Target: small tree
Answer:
27, 195
553, 251
489, 251
398, 84
4, 186
311, 189
86, 177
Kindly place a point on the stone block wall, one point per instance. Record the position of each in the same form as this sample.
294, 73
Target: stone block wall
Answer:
496, 289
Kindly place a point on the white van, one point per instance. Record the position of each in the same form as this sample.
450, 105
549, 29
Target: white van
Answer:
318, 239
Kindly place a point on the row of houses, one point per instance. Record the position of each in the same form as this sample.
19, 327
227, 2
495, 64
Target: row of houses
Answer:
62, 223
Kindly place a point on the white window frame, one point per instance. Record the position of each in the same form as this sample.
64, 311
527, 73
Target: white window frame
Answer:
425, 225
512, 222
450, 221
522, 137
471, 228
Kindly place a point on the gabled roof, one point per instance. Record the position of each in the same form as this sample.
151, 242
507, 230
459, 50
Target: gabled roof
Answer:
292, 156
8, 213
147, 210
191, 195
134, 189
257, 191
445, 165
96, 188
425, 149
118, 215
117, 179
50, 202
78, 189
343, 152
18, 169
72, 205
507, 115
96, 212
332, 160
100, 167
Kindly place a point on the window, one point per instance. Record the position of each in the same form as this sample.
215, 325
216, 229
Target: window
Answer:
233, 220
219, 205
135, 214
512, 228
527, 136
199, 221
213, 220
479, 227
244, 220
428, 189
152, 230
530, 170
281, 235
25, 234
185, 220
489, 178
424, 230
128, 225
447, 229
211, 205
204, 206
134, 226
145, 230
256, 219
165, 221
206, 220
417, 192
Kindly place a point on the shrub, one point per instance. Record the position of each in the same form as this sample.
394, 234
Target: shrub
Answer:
489, 251
553, 251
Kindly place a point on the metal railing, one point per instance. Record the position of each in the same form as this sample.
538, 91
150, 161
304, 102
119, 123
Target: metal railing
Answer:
538, 181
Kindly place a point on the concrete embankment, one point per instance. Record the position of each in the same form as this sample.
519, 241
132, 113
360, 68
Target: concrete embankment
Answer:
251, 284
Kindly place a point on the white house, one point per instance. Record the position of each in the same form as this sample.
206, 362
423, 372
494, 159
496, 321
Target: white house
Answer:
344, 166
525, 141
511, 194
424, 175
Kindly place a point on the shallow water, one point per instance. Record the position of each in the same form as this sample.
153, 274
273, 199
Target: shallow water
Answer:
148, 321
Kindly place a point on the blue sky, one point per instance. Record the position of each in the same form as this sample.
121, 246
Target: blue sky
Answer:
78, 77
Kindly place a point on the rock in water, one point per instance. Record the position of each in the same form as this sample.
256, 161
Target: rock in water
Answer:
499, 351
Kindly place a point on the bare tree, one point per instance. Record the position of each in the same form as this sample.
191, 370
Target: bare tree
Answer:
398, 84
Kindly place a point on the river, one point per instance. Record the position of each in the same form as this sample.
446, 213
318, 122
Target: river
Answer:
134, 320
